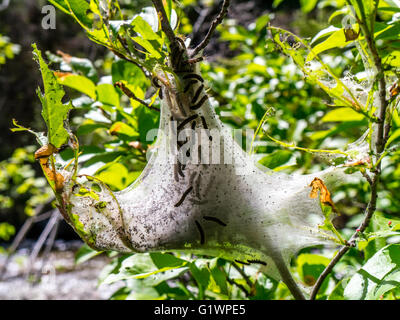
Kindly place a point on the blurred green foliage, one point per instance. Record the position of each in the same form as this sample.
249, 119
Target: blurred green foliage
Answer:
8, 50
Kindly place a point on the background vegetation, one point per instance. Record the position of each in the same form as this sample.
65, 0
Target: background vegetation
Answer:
252, 83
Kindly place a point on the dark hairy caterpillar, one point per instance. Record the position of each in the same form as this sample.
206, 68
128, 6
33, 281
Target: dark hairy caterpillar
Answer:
197, 94
180, 170
202, 239
155, 82
214, 219
242, 262
186, 121
257, 261
200, 103
190, 83
193, 76
183, 197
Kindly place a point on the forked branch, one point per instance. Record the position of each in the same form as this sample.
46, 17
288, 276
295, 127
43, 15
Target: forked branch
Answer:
217, 21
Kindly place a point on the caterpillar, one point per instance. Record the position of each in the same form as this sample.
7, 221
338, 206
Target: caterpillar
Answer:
197, 185
176, 174
257, 261
200, 103
186, 121
193, 76
202, 239
155, 82
183, 197
214, 219
74, 187
180, 170
192, 177
197, 94
242, 262
189, 84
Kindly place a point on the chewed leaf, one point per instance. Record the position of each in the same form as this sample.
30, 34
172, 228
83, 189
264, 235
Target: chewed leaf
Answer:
325, 196
54, 112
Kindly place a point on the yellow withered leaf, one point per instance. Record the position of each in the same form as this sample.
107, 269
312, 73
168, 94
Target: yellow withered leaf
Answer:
52, 175
45, 151
62, 75
394, 89
325, 196
43, 155
350, 34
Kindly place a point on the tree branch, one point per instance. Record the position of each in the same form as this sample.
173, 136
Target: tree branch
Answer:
217, 21
380, 142
131, 95
165, 26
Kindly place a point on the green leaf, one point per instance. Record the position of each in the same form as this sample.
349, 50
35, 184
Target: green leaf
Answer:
79, 83
276, 159
125, 71
89, 126
6, 231
342, 115
85, 253
166, 260
141, 266
201, 274
124, 131
107, 94
80, 9
379, 275
61, 4
336, 40
337, 292
310, 266
141, 291
218, 275
308, 5
115, 175
54, 112
147, 120
144, 29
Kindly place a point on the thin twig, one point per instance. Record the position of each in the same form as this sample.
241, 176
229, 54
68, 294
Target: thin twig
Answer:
243, 274
43, 236
165, 26
241, 287
131, 95
217, 21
